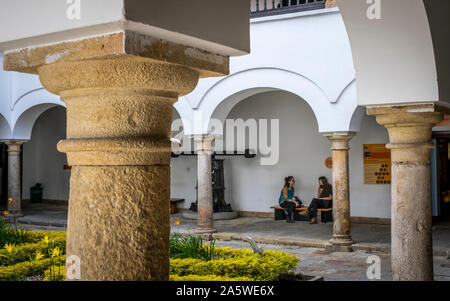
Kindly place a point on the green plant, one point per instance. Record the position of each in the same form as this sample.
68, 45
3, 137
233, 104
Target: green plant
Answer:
28, 251
189, 246
21, 271
207, 278
55, 273
9, 235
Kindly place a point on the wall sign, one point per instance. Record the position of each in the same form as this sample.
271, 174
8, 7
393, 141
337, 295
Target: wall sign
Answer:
377, 164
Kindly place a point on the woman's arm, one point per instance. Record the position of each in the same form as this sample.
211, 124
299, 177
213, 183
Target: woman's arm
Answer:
330, 195
328, 198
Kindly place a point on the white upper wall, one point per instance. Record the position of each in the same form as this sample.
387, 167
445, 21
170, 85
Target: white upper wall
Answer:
394, 56
22, 101
204, 24
306, 53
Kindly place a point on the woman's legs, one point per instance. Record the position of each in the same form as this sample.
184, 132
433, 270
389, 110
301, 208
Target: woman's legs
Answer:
314, 206
289, 206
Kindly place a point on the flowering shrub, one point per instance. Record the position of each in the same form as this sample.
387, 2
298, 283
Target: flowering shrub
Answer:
43, 256
207, 278
39, 252
234, 263
26, 269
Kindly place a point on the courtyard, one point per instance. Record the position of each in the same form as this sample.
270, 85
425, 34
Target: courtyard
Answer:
308, 242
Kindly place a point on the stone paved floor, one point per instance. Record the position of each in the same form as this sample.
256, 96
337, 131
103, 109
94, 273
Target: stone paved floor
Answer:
341, 266
368, 237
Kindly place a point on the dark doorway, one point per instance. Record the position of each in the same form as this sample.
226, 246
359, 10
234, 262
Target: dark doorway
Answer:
3, 176
443, 177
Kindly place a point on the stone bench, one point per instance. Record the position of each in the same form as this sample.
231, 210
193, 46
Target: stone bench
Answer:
326, 215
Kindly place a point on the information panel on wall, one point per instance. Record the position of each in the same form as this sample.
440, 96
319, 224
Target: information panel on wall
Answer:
377, 164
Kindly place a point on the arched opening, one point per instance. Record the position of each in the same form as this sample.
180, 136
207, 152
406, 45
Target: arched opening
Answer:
301, 152
183, 169
5, 132
42, 163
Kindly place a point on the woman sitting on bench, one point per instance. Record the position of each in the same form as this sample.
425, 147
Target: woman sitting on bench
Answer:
287, 199
323, 200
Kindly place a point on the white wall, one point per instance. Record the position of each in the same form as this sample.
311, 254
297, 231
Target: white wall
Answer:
42, 163
394, 55
306, 53
252, 187
367, 200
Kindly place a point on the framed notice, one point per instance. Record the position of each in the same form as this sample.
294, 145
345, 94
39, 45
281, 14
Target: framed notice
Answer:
377, 164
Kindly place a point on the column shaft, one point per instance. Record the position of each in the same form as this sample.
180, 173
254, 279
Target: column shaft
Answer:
119, 113
341, 190
14, 176
410, 144
205, 222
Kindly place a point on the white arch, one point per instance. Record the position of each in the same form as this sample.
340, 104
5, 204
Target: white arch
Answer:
5, 129
403, 57
218, 101
24, 125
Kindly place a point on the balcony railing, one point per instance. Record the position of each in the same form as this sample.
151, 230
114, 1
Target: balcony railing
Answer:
262, 8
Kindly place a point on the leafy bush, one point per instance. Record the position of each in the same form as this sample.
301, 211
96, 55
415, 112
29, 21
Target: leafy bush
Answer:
28, 251
270, 266
12, 236
190, 247
207, 278
26, 269
55, 273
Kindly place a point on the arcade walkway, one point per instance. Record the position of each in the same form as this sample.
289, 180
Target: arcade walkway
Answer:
369, 237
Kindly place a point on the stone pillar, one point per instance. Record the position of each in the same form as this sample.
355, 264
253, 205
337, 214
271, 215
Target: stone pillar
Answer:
341, 239
14, 176
203, 147
410, 129
119, 90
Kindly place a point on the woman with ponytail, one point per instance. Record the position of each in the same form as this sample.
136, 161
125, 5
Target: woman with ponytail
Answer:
287, 199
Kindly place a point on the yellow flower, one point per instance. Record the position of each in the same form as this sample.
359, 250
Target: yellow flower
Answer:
10, 247
5, 212
176, 223
10, 200
45, 239
39, 255
55, 252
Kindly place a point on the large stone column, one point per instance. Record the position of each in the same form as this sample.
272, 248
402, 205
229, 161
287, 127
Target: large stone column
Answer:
14, 176
119, 91
205, 223
410, 129
341, 240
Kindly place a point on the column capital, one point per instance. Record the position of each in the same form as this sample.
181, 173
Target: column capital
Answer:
339, 140
203, 142
121, 44
14, 145
409, 128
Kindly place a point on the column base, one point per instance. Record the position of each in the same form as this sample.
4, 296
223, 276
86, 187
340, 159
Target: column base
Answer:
340, 244
205, 231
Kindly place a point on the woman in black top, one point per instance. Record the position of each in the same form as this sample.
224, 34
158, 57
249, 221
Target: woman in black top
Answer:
323, 200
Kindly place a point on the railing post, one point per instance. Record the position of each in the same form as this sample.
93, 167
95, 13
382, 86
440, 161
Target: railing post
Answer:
257, 5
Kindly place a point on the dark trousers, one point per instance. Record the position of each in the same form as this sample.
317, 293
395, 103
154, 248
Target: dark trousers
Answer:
314, 206
289, 206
